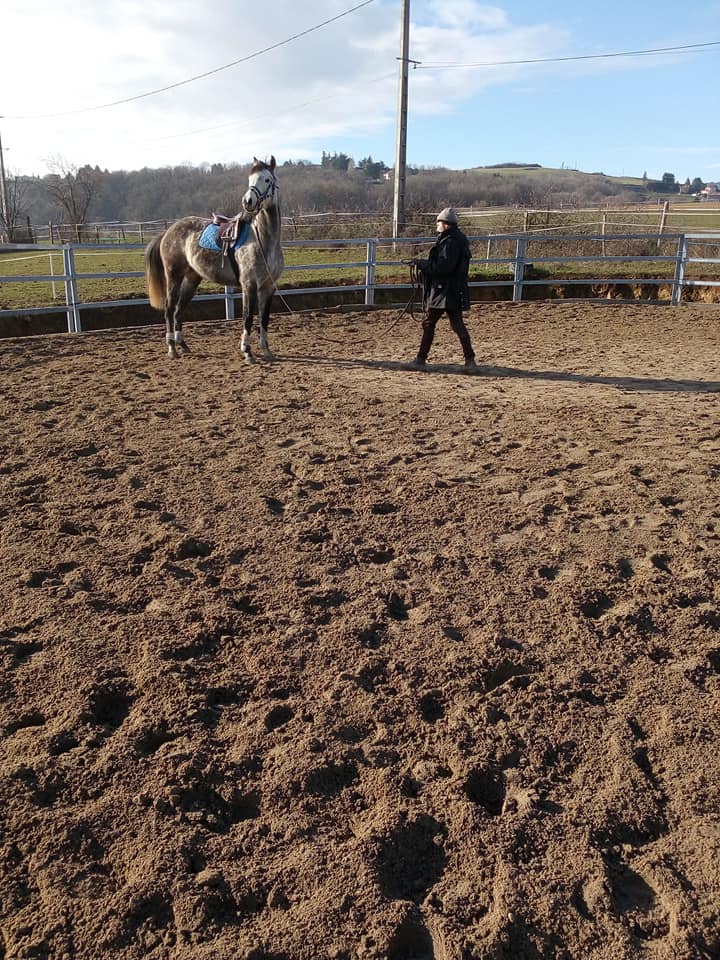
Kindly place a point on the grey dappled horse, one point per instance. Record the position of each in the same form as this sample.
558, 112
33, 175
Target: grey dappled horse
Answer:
175, 263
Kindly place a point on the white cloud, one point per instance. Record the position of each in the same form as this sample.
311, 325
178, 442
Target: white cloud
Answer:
325, 90
468, 15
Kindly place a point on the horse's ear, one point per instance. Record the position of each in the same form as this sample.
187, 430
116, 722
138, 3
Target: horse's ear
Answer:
272, 164
255, 160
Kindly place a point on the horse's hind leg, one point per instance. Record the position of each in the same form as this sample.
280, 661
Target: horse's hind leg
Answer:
264, 321
173, 293
187, 292
249, 307
179, 296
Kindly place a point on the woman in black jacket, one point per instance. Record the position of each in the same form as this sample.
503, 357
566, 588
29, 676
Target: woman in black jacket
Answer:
445, 286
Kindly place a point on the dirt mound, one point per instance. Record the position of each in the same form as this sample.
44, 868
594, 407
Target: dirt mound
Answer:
325, 658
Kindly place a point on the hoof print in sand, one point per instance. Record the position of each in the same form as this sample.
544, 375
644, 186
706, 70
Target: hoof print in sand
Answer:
411, 859
191, 549
109, 704
635, 901
411, 939
274, 506
330, 779
431, 707
595, 605
278, 717
486, 788
506, 672
397, 607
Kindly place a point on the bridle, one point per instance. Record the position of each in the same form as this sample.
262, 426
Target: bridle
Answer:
269, 190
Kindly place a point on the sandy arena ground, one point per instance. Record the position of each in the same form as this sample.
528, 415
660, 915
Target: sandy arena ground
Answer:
325, 658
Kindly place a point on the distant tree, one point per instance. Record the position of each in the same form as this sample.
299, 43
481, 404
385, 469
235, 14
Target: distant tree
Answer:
16, 192
167, 193
666, 185
336, 161
371, 168
697, 185
72, 188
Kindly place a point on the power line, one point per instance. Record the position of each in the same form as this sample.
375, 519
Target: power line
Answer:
590, 56
261, 116
200, 76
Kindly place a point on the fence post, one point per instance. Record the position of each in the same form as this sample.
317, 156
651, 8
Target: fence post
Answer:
71, 295
370, 273
519, 269
663, 220
229, 304
680, 263
52, 274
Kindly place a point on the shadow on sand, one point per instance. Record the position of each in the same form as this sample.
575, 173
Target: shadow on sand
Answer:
653, 384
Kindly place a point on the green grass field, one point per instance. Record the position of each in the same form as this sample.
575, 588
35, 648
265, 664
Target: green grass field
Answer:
314, 260
45, 293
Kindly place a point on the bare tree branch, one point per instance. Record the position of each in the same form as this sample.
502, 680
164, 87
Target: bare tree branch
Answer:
71, 188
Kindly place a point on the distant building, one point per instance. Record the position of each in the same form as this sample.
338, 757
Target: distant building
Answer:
710, 192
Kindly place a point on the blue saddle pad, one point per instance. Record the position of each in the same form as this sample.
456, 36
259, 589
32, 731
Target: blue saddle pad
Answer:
209, 237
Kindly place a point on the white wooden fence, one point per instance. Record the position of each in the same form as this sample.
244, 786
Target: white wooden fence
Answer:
517, 263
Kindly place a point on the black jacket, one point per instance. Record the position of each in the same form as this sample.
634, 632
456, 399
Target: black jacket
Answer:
445, 272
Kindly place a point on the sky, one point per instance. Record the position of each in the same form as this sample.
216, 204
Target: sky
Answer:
139, 83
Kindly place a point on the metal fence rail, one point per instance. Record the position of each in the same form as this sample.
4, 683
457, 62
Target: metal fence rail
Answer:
517, 260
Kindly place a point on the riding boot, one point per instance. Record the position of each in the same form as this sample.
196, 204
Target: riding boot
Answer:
429, 323
458, 325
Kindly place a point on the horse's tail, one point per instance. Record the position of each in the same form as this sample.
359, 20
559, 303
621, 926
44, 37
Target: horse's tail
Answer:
155, 274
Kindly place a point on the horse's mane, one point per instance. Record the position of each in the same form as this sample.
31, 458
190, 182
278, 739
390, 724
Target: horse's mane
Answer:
259, 165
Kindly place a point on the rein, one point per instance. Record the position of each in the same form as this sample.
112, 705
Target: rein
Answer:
276, 289
415, 279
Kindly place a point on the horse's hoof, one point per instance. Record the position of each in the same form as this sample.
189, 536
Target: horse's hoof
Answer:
249, 358
185, 347
270, 356
172, 353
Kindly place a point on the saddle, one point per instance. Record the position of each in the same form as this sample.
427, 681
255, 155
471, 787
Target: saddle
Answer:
231, 233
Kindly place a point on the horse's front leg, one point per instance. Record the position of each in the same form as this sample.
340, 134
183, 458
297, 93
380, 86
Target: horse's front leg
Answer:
249, 306
264, 321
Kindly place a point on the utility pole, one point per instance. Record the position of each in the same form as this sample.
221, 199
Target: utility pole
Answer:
4, 206
401, 142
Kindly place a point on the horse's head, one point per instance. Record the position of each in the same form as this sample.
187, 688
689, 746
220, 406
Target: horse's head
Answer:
261, 186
